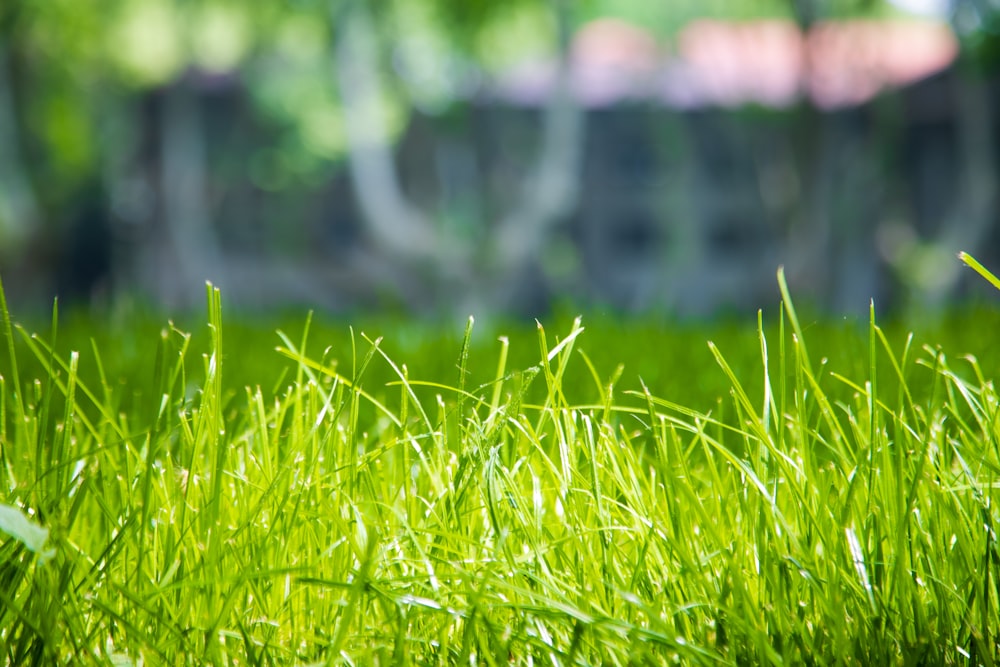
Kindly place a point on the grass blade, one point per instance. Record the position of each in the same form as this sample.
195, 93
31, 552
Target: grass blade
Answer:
971, 262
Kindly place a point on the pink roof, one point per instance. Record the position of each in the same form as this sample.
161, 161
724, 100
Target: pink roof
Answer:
851, 62
729, 64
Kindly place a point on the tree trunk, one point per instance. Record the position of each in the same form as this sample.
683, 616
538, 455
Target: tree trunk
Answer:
398, 228
975, 207
553, 188
197, 257
19, 212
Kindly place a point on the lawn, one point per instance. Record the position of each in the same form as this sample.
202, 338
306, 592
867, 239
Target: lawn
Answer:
794, 492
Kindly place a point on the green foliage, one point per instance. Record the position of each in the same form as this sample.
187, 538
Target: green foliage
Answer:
335, 504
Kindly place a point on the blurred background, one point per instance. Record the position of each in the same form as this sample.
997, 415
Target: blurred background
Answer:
442, 157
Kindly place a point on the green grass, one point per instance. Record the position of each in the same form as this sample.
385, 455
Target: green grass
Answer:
805, 494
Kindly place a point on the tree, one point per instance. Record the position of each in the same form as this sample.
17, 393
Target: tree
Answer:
407, 234
19, 211
926, 261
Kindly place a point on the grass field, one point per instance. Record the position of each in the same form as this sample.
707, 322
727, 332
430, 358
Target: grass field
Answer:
792, 493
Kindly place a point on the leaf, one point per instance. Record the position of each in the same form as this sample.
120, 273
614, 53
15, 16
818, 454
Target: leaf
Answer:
16, 524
